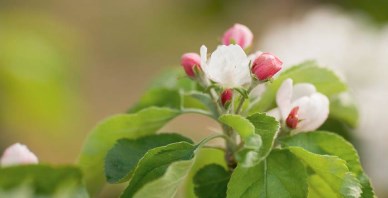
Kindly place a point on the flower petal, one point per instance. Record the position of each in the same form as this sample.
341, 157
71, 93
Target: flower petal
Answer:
314, 111
18, 154
283, 98
203, 53
228, 66
302, 89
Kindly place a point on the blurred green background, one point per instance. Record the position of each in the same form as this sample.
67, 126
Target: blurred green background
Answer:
65, 65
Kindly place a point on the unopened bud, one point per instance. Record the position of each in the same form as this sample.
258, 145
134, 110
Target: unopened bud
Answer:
18, 154
265, 66
238, 34
226, 96
293, 119
189, 61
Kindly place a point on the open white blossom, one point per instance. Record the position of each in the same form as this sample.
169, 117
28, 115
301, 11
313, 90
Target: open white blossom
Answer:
18, 154
313, 106
228, 66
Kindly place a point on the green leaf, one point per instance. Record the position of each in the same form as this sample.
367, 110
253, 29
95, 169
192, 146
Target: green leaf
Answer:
332, 170
266, 127
280, 175
343, 108
338, 127
174, 78
211, 181
159, 97
160, 171
319, 188
249, 154
174, 90
326, 143
258, 132
41, 181
104, 136
124, 156
203, 157
242, 125
207, 101
166, 91
167, 185
326, 82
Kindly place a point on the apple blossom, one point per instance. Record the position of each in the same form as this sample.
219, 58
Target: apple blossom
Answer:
189, 61
18, 154
265, 66
292, 119
228, 66
313, 107
238, 34
226, 96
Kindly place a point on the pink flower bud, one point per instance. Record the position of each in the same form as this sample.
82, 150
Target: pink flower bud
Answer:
18, 154
226, 96
293, 119
265, 66
189, 61
238, 34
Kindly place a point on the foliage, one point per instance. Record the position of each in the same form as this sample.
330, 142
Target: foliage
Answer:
30, 181
263, 156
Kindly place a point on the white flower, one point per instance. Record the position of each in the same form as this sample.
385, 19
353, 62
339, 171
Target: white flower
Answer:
228, 66
313, 106
18, 154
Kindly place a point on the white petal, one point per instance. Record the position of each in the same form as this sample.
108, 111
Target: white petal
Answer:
228, 66
322, 111
18, 154
305, 113
283, 98
313, 112
203, 53
302, 89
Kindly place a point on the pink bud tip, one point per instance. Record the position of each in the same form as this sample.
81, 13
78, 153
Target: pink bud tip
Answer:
265, 66
238, 34
189, 61
226, 96
18, 154
292, 119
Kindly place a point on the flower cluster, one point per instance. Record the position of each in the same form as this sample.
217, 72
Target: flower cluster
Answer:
258, 129
300, 107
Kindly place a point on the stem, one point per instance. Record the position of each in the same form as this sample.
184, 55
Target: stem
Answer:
203, 142
231, 147
239, 107
213, 94
197, 111
242, 100
227, 139
231, 107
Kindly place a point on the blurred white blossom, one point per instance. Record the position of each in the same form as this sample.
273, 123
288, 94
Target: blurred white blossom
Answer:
17, 154
351, 44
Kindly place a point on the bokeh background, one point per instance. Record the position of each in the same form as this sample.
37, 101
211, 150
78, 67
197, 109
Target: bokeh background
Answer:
65, 65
